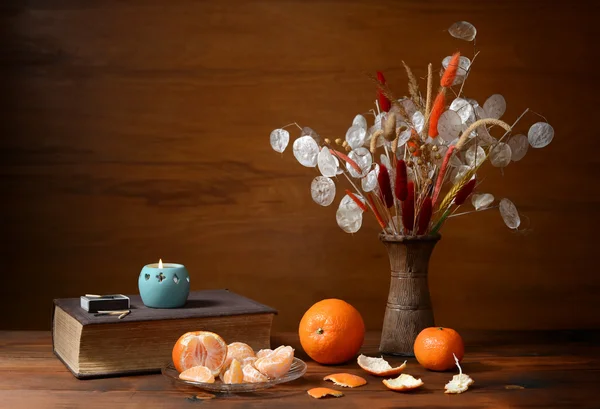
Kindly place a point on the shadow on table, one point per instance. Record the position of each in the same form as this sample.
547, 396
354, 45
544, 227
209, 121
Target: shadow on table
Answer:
478, 367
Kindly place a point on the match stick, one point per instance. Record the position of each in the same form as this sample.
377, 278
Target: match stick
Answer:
113, 312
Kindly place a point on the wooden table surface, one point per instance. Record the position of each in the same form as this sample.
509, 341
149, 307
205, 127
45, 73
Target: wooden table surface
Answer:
510, 369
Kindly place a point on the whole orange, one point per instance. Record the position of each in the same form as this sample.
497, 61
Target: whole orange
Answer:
332, 331
434, 347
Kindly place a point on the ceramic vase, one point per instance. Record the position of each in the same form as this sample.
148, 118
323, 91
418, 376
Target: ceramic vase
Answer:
408, 310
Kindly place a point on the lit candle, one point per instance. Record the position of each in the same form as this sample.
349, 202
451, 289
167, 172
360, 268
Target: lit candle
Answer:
164, 285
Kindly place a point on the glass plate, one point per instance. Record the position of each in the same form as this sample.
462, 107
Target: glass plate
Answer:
296, 371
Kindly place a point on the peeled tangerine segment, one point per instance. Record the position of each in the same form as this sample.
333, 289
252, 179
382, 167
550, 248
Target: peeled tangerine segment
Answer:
509, 214
540, 134
356, 136
263, 352
319, 393
239, 351
500, 155
369, 182
474, 155
449, 125
482, 200
464, 110
463, 30
403, 383
322, 190
327, 163
306, 151
234, 374
518, 146
346, 380
459, 384
279, 140
201, 348
363, 159
495, 106
253, 375
378, 366
198, 374
277, 363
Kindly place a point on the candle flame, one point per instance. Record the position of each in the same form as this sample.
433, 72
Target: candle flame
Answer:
160, 263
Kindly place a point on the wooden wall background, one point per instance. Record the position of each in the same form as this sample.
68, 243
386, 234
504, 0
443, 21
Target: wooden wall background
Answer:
133, 130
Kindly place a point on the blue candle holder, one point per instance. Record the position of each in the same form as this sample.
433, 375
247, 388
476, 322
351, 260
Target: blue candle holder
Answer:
166, 287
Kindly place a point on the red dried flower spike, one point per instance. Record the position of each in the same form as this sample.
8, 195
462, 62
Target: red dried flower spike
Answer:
347, 159
464, 192
384, 103
375, 211
436, 112
356, 200
408, 208
450, 73
424, 216
401, 188
442, 173
385, 188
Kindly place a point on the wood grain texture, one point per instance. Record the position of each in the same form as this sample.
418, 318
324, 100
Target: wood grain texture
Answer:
510, 369
138, 130
408, 310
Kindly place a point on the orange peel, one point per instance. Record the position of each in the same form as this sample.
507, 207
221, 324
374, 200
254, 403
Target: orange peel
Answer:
403, 383
378, 366
459, 383
319, 393
347, 380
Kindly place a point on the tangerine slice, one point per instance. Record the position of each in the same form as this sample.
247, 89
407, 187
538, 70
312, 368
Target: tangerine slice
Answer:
378, 366
346, 380
234, 374
277, 363
239, 351
319, 393
403, 383
248, 360
263, 352
198, 374
200, 348
253, 375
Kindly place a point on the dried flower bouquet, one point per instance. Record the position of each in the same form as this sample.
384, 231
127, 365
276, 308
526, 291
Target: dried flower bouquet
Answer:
419, 162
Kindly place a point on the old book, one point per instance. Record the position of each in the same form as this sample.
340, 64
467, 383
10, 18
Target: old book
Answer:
99, 346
